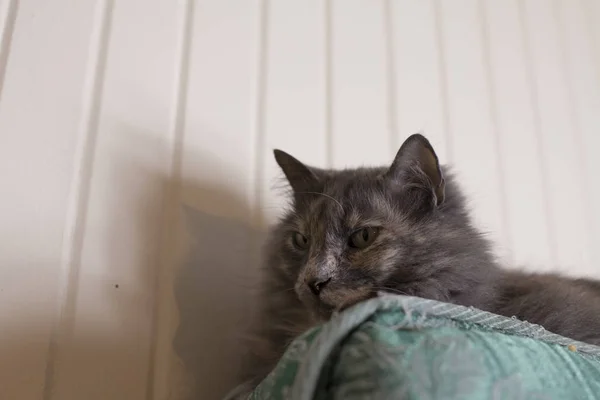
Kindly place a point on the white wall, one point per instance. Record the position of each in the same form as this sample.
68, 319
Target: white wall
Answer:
136, 167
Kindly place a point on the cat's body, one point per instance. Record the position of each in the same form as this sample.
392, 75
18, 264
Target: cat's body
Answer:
404, 229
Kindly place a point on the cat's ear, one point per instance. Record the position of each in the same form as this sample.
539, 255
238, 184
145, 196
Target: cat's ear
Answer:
300, 176
417, 166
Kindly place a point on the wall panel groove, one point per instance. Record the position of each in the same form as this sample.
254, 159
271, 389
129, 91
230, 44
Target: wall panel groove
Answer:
392, 85
77, 208
495, 128
532, 96
8, 16
261, 79
328, 43
443, 79
161, 379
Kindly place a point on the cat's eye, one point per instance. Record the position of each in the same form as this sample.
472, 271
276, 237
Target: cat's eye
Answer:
363, 237
300, 241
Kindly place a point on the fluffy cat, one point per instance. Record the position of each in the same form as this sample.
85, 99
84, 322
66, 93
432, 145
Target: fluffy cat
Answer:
404, 229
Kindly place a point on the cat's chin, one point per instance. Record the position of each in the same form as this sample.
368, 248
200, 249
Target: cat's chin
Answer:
319, 311
323, 313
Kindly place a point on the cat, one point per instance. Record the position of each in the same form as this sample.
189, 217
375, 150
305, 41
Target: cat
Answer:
403, 229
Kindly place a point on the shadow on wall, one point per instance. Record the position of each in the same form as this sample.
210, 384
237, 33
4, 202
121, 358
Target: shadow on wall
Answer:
106, 328
214, 259
214, 290
214, 262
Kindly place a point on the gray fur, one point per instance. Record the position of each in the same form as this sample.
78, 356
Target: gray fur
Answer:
427, 247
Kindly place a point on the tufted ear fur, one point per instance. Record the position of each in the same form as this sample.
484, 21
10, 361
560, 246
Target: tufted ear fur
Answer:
416, 166
300, 176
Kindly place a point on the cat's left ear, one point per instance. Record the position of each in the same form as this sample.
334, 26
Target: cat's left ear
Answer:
300, 176
417, 166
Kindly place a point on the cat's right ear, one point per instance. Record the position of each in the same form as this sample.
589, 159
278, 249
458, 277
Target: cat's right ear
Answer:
300, 176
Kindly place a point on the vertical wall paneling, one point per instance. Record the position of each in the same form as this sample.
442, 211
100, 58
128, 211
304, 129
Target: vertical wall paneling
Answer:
218, 163
389, 23
166, 379
8, 15
419, 99
113, 309
360, 111
583, 77
258, 145
559, 147
296, 89
43, 74
442, 77
328, 60
591, 11
77, 202
490, 85
473, 142
521, 163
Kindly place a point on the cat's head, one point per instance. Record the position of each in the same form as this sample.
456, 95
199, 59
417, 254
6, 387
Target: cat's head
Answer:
352, 233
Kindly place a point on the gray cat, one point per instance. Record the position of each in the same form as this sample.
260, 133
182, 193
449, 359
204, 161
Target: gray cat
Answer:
403, 229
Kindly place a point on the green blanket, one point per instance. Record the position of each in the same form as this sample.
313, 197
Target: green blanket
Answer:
397, 347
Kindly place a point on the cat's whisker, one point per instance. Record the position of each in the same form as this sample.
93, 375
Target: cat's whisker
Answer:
283, 291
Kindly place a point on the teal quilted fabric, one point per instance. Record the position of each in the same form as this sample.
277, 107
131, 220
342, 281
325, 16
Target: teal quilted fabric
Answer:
397, 347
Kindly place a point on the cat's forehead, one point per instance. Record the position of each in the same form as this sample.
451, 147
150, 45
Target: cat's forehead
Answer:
349, 199
355, 187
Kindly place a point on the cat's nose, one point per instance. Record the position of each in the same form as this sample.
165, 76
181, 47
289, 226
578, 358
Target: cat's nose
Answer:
316, 285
